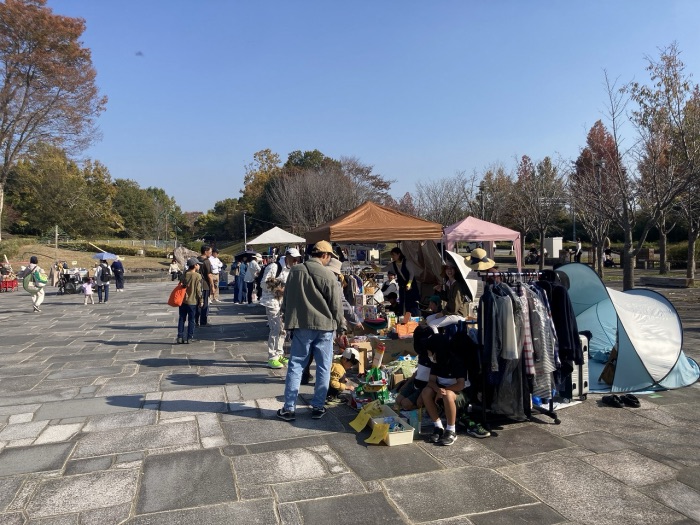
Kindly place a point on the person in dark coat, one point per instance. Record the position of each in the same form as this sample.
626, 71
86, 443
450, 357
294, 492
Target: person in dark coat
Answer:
118, 271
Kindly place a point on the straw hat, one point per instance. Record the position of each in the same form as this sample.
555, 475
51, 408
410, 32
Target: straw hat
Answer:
478, 260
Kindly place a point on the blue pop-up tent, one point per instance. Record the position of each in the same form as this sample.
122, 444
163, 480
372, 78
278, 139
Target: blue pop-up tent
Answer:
642, 323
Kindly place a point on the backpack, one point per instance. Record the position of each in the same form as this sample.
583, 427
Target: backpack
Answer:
106, 275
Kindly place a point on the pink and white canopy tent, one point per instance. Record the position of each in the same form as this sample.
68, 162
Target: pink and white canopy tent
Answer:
473, 229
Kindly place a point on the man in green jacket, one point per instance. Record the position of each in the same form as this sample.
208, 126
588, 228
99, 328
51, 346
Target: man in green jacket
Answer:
313, 311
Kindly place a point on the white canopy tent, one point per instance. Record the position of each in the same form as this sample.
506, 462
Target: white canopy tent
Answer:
276, 235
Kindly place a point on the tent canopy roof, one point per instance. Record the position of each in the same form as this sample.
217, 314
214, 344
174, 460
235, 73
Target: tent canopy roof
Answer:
473, 229
277, 235
371, 222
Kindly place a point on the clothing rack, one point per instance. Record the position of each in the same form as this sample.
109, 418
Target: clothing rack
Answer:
527, 407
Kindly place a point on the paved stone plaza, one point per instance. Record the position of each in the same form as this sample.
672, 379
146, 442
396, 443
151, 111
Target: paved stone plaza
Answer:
105, 420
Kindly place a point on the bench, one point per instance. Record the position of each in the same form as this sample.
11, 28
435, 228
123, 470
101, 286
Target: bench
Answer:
666, 282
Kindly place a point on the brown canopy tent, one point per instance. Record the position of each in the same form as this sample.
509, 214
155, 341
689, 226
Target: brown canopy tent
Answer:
371, 222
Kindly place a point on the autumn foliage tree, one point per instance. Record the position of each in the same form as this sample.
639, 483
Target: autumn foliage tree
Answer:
48, 91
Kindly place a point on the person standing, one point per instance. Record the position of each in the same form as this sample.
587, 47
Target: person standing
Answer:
216, 266
34, 280
88, 290
274, 280
118, 271
409, 296
579, 250
312, 309
174, 270
103, 275
192, 281
240, 281
201, 314
252, 271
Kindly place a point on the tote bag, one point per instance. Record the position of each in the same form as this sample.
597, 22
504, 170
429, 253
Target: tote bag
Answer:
177, 295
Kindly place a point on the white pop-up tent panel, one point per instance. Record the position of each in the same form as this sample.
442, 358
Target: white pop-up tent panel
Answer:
644, 326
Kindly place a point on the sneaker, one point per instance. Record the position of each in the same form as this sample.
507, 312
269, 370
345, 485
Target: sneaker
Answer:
274, 363
283, 360
180, 341
334, 401
448, 438
318, 413
191, 340
36, 309
436, 435
477, 431
287, 415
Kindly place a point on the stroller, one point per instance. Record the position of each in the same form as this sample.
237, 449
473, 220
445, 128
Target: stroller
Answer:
69, 283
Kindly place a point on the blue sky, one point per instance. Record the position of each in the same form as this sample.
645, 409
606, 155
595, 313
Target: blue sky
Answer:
419, 90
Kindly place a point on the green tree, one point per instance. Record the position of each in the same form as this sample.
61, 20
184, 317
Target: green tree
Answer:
48, 92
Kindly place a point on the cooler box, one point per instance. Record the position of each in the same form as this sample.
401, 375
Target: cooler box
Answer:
402, 437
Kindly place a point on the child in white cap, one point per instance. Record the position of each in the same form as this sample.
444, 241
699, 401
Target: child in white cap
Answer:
338, 384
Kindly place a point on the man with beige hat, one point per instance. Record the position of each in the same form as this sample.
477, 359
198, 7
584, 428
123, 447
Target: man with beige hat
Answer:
312, 310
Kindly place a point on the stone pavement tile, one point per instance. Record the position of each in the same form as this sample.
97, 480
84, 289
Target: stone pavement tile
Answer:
21, 370
676, 415
139, 384
138, 418
137, 438
678, 444
320, 488
371, 462
88, 407
58, 433
81, 358
18, 442
465, 451
690, 476
473, 488
186, 479
22, 430
589, 416
279, 467
582, 493
12, 518
88, 362
63, 519
38, 396
236, 450
84, 492
672, 397
8, 489
600, 441
631, 468
106, 516
349, 510
192, 402
84, 466
18, 409
85, 372
286, 444
537, 514
254, 430
25, 417
524, 441
12, 385
678, 496
256, 512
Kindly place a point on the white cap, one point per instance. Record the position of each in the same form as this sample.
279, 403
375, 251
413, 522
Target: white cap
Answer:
350, 353
293, 252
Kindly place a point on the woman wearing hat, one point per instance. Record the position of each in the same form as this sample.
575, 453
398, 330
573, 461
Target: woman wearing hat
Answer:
118, 271
455, 293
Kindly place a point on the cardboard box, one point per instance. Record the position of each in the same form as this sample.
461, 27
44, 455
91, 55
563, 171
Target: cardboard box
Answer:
392, 439
364, 348
396, 348
395, 379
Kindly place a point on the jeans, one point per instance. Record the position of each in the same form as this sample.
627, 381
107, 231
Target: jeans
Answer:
200, 315
187, 311
305, 343
240, 290
251, 287
99, 292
